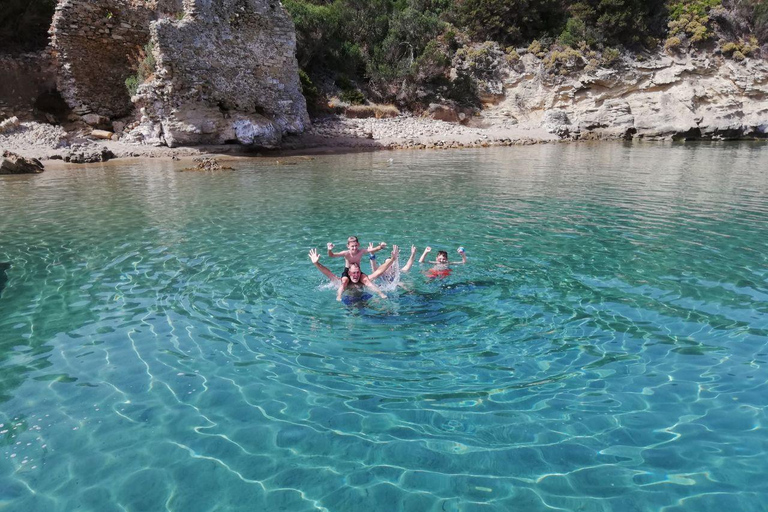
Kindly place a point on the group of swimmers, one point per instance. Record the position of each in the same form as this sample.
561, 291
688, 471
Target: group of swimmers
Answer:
353, 276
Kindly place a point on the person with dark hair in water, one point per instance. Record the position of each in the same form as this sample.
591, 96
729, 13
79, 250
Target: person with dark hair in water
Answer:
441, 268
357, 280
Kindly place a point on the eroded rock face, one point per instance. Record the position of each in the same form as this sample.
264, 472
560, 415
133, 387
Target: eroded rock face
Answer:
23, 79
96, 44
11, 163
226, 72
686, 97
225, 69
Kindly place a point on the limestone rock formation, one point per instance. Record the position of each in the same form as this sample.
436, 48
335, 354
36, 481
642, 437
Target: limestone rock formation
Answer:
226, 72
95, 44
219, 70
11, 163
690, 96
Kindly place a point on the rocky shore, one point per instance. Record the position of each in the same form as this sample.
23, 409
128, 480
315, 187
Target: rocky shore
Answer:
48, 143
663, 97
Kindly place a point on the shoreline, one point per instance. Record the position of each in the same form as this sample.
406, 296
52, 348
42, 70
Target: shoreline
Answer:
333, 135
51, 144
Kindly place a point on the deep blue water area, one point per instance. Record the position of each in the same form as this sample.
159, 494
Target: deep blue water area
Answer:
166, 343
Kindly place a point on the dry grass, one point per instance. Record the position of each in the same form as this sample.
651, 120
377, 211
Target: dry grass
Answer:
368, 111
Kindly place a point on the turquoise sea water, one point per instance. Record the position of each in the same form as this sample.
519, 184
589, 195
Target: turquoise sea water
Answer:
165, 343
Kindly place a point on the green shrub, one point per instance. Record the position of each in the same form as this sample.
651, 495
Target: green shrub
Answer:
563, 60
690, 19
308, 89
431, 64
610, 56
575, 33
353, 96
536, 48
511, 56
672, 43
132, 84
145, 69
510, 21
739, 50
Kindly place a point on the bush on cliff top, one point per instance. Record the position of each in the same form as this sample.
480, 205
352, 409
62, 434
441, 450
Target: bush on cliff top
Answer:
402, 49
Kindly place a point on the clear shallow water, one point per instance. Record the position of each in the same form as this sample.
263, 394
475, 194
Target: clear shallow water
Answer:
165, 343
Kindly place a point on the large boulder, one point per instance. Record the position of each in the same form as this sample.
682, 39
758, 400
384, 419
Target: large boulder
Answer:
226, 72
11, 163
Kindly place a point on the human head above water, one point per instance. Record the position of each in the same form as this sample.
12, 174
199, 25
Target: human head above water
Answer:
353, 241
354, 273
442, 257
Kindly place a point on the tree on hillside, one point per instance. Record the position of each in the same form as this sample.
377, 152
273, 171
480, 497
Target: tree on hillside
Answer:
612, 22
510, 22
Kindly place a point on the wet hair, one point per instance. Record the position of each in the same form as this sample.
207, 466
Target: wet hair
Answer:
356, 265
443, 253
353, 239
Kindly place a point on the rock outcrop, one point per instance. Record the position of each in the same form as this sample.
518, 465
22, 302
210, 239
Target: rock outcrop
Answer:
96, 44
11, 163
221, 70
226, 72
26, 83
690, 96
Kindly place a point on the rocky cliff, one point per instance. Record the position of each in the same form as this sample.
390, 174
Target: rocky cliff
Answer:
684, 96
216, 70
226, 72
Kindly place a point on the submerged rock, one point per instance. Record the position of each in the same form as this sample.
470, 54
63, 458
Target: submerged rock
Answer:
11, 163
208, 164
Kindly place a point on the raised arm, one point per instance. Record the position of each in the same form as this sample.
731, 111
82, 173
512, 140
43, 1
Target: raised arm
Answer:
409, 264
383, 268
315, 258
371, 248
372, 257
424, 255
463, 255
334, 254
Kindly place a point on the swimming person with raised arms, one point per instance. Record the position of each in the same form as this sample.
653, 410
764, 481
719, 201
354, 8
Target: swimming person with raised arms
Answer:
441, 268
357, 280
352, 255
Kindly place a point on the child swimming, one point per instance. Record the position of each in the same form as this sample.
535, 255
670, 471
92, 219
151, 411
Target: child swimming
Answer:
441, 268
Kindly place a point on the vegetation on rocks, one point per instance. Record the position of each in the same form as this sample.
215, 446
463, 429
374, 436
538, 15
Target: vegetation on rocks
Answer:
415, 52
145, 69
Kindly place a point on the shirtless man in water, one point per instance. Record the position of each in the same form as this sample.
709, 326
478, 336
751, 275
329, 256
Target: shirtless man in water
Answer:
352, 255
357, 279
